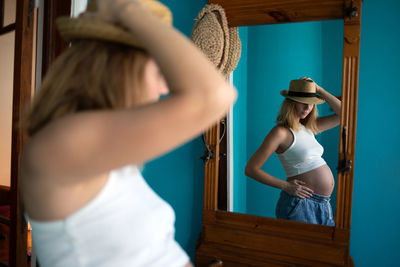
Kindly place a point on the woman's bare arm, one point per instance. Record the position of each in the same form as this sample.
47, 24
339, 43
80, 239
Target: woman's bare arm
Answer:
253, 168
270, 145
328, 122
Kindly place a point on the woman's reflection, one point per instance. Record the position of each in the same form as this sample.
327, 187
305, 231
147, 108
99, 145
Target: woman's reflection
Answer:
306, 192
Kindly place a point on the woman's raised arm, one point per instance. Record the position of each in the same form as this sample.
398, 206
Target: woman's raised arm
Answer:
328, 122
94, 142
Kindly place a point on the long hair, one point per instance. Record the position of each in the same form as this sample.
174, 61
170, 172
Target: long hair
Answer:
90, 75
288, 118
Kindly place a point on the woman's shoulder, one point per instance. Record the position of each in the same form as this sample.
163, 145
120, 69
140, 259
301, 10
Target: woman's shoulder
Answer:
280, 129
279, 132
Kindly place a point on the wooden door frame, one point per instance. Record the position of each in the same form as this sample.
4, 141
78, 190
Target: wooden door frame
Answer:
53, 45
22, 93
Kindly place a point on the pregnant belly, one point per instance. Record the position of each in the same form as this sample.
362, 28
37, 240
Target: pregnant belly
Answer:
320, 180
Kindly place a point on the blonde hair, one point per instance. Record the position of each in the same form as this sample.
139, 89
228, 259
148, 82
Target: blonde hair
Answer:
288, 118
90, 75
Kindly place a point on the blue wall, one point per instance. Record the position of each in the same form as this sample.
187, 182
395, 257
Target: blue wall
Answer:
375, 223
375, 233
240, 128
178, 177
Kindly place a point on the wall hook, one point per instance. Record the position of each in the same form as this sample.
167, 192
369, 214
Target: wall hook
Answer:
208, 152
345, 164
351, 11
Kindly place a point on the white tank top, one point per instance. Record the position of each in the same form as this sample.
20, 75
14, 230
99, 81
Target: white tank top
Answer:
126, 224
303, 155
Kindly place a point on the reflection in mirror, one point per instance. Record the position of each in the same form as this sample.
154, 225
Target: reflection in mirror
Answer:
272, 56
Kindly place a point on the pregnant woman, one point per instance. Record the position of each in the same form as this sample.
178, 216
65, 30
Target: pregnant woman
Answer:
306, 192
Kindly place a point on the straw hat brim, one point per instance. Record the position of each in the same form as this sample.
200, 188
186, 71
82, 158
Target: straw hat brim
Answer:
306, 100
235, 49
90, 28
211, 34
96, 29
220, 43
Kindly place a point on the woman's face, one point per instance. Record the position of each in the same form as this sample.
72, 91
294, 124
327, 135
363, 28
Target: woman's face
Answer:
153, 82
303, 110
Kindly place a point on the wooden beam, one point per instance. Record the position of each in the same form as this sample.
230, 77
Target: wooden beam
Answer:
258, 12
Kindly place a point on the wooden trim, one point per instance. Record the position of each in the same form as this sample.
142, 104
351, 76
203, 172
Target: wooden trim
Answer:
7, 29
222, 203
257, 12
240, 239
257, 241
273, 226
211, 169
53, 44
24, 32
351, 62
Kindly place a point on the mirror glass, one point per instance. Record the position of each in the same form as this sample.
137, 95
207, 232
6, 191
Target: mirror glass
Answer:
272, 55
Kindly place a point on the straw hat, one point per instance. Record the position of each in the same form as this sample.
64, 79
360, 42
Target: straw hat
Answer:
303, 91
94, 28
219, 42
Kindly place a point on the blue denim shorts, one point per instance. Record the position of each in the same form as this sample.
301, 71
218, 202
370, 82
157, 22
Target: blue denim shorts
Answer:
316, 209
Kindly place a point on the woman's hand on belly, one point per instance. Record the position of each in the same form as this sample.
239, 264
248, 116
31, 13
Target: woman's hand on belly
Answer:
298, 188
320, 180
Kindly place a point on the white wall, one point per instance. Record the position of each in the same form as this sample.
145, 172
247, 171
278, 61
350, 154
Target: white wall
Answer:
6, 88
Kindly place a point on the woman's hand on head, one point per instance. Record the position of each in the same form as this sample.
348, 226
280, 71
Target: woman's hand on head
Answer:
298, 188
317, 87
306, 78
110, 10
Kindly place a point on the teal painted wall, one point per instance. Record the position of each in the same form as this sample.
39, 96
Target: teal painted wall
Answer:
178, 176
375, 232
240, 128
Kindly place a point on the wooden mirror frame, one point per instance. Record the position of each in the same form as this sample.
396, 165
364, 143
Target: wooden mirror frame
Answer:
233, 239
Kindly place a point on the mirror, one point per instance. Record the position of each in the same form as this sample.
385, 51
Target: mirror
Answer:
237, 239
272, 55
